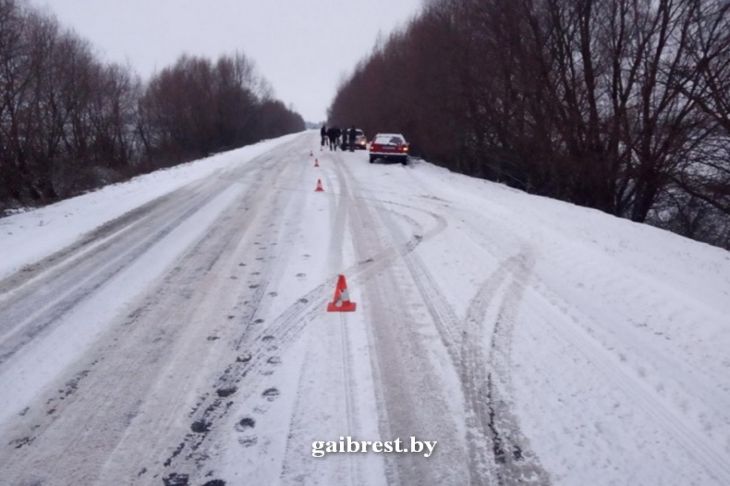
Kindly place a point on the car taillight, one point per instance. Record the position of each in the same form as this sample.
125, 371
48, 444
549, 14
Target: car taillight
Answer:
404, 148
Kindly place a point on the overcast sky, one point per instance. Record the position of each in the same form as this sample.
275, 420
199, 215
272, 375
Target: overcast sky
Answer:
303, 47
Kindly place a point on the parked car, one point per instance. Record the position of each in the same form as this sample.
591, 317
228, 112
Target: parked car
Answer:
389, 146
361, 142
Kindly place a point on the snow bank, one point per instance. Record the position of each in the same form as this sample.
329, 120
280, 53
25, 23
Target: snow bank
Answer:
30, 236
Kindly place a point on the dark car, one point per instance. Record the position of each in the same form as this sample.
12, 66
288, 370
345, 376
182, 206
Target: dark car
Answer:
389, 146
361, 142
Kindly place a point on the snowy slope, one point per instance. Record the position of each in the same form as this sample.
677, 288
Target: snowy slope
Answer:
172, 330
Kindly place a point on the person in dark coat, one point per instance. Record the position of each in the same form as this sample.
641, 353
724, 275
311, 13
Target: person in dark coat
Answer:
352, 135
338, 134
323, 134
333, 133
345, 138
330, 134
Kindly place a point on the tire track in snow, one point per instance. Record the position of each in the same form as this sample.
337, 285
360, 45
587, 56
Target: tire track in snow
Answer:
488, 403
401, 368
487, 382
293, 469
90, 243
221, 237
245, 372
492, 423
484, 440
31, 324
190, 271
634, 337
73, 274
284, 330
703, 451
193, 453
336, 247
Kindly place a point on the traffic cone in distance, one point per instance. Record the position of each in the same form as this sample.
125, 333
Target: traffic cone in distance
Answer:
311, 154
341, 301
316, 162
319, 186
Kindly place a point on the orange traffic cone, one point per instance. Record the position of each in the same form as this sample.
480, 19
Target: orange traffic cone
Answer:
341, 301
316, 163
319, 186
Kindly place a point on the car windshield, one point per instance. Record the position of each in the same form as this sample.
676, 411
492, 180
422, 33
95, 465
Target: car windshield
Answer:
388, 140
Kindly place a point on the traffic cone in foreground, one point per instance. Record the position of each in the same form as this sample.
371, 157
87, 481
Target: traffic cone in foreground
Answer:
341, 301
316, 162
319, 186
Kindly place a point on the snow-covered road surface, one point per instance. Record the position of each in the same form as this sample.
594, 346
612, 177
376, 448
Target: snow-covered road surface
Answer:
183, 339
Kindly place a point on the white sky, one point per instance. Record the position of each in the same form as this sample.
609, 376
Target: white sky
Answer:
303, 47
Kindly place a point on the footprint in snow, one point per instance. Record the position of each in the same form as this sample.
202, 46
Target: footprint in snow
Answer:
215, 482
200, 426
245, 424
248, 440
271, 394
226, 392
175, 479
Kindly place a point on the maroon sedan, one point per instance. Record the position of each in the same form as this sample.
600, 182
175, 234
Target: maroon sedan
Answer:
389, 146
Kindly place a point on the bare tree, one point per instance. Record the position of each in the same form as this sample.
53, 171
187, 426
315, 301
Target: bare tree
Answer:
613, 104
69, 122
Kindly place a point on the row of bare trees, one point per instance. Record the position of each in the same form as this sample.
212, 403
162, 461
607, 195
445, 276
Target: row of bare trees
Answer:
69, 122
621, 105
197, 107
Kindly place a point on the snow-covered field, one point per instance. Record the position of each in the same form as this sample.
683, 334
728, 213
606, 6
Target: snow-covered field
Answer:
172, 330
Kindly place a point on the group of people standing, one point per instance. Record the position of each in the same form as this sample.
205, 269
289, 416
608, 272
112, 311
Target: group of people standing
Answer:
335, 137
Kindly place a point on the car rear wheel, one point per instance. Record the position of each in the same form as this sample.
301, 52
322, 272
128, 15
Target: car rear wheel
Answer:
372, 159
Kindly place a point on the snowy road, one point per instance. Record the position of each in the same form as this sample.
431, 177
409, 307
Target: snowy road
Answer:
184, 339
